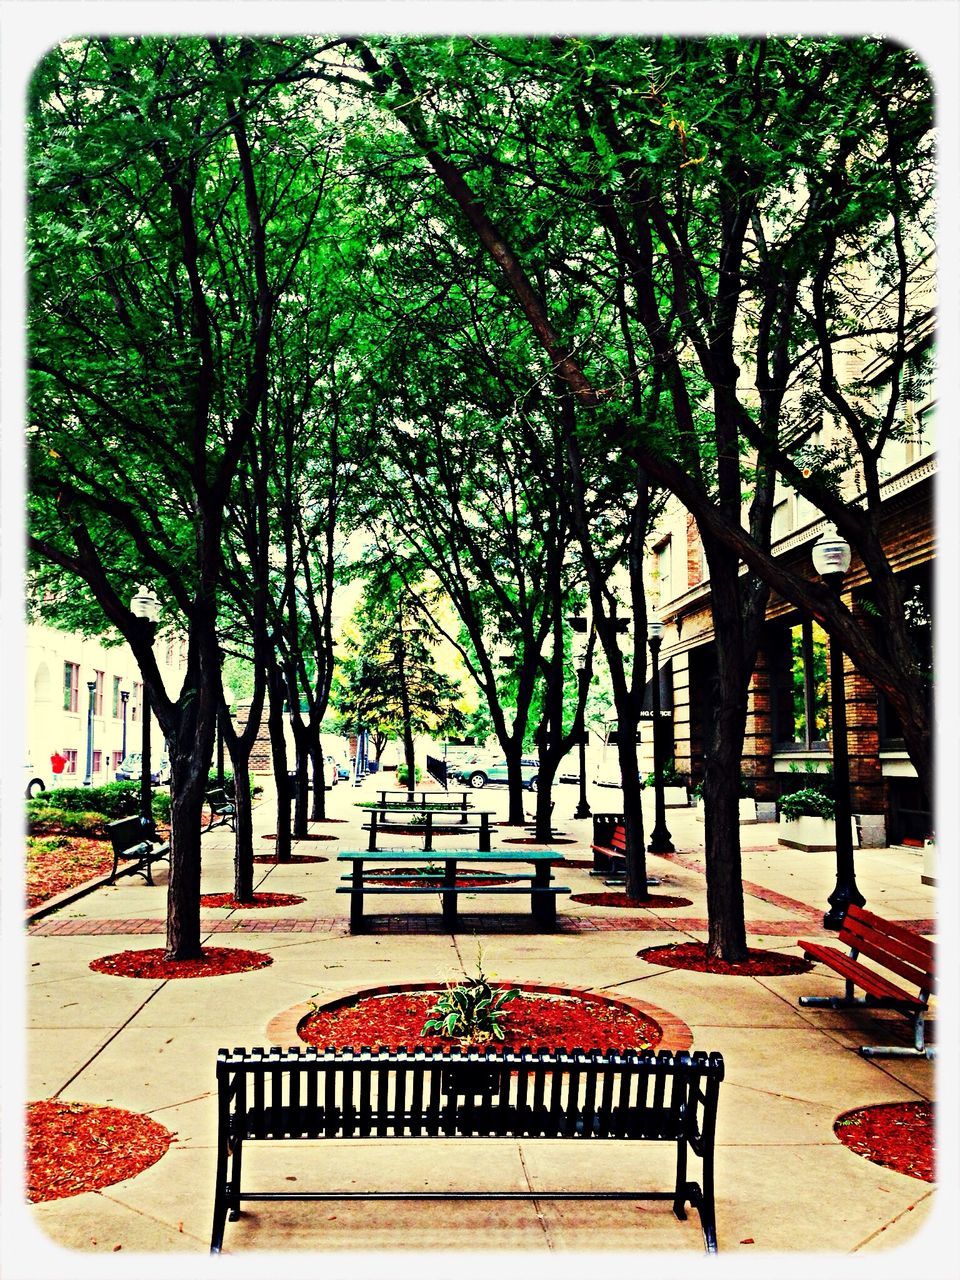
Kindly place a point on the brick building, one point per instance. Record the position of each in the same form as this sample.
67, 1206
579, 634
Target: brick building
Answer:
788, 729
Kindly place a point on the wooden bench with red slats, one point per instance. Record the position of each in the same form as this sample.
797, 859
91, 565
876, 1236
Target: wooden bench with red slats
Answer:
901, 952
609, 844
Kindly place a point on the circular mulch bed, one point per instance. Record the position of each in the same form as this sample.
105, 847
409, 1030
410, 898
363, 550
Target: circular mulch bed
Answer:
75, 1146
214, 962
325, 820
313, 835
693, 956
585, 863
898, 1135
539, 1017
271, 858
616, 899
259, 900
543, 843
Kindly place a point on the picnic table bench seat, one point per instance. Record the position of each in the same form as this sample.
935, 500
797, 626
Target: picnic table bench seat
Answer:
318, 1094
903, 956
136, 838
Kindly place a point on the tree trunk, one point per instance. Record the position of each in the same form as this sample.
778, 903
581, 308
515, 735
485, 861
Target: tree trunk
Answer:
187, 786
513, 754
543, 830
636, 882
318, 811
243, 843
301, 804
279, 756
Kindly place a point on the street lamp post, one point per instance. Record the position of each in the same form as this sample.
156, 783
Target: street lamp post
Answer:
88, 776
124, 699
145, 605
660, 839
831, 560
579, 625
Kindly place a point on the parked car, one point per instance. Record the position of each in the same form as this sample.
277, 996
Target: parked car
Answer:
131, 769
480, 772
343, 767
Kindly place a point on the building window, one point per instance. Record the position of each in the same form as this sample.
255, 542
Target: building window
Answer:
800, 699
71, 759
136, 699
97, 761
918, 608
71, 686
663, 569
115, 760
115, 701
98, 694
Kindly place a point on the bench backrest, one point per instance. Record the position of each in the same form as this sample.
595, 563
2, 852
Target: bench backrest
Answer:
618, 839
127, 832
898, 949
216, 797
310, 1092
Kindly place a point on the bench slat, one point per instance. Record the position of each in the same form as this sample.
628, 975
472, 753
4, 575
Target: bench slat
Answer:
867, 979
908, 954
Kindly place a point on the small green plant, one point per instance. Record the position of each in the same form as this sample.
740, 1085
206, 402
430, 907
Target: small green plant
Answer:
671, 778
44, 819
808, 803
402, 775
472, 1011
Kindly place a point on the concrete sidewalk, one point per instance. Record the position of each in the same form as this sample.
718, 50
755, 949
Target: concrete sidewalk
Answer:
784, 1183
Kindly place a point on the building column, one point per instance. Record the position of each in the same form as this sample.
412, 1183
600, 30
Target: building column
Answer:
683, 754
758, 738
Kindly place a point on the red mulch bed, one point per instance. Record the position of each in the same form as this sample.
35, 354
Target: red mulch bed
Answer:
259, 900
543, 843
617, 899
693, 956
585, 863
271, 858
151, 963
75, 1146
464, 879
898, 1135
57, 863
555, 1022
328, 819
313, 835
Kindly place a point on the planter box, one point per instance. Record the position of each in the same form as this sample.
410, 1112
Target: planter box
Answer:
675, 798
748, 811
928, 875
813, 835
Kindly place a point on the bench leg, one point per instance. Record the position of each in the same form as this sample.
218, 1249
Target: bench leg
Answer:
449, 892
920, 1048
356, 899
148, 872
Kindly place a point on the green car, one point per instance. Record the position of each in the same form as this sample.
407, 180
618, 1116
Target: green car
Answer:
479, 772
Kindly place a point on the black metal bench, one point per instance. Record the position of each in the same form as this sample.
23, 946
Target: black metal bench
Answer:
283, 1094
136, 838
223, 811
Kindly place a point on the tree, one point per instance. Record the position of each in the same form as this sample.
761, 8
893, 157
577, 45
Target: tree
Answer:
725, 242
156, 260
389, 682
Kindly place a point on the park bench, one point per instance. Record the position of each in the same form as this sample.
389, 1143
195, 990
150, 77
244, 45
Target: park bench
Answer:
609, 844
543, 893
136, 838
311, 1093
223, 810
900, 952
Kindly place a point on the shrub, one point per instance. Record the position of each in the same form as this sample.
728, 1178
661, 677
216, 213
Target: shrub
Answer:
115, 800
43, 819
809, 803
161, 806
472, 1010
402, 774
671, 778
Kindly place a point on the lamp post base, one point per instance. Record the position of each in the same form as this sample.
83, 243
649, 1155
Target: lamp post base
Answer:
839, 901
660, 842
583, 810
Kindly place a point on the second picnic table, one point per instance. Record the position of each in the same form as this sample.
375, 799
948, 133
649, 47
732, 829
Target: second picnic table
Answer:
543, 894
426, 820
